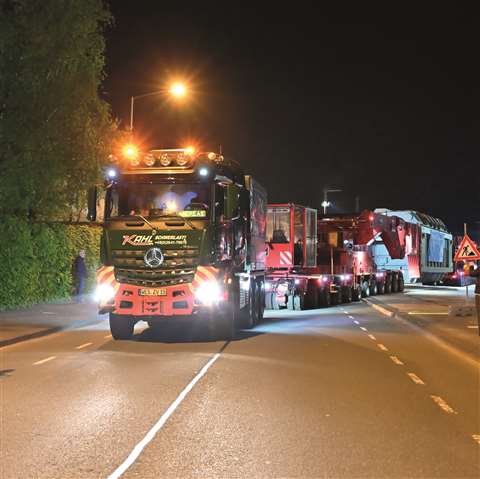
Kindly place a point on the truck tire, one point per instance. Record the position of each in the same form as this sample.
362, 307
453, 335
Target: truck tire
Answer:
373, 288
357, 292
365, 289
260, 301
401, 283
337, 297
325, 298
290, 299
311, 297
121, 327
298, 302
250, 313
388, 285
380, 288
346, 294
394, 283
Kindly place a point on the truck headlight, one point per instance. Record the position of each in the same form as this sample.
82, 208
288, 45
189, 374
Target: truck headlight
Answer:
103, 293
209, 293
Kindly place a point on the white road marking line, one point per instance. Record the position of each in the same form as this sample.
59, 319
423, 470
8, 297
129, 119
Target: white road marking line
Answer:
356, 322
371, 336
384, 311
137, 450
441, 403
425, 313
382, 347
48, 312
363, 329
415, 378
50, 358
351, 317
476, 437
83, 345
396, 360
108, 336
472, 327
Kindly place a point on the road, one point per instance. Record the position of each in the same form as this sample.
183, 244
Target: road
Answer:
335, 393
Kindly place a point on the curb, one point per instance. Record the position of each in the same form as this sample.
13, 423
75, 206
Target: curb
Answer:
394, 313
46, 332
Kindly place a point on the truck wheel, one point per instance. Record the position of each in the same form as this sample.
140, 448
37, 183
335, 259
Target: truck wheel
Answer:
401, 284
380, 288
268, 301
260, 301
395, 284
121, 327
346, 294
373, 288
224, 324
250, 315
325, 298
290, 299
298, 302
388, 285
365, 289
311, 298
357, 292
337, 297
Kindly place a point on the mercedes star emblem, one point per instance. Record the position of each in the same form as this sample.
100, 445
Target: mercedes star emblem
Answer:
153, 257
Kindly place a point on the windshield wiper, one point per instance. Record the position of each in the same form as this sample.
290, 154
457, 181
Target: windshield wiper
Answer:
154, 229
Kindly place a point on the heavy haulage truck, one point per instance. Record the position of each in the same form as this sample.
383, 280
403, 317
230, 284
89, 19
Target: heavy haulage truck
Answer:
184, 238
315, 262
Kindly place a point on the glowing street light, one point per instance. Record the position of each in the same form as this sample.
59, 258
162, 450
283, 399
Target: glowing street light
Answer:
177, 90
325, 202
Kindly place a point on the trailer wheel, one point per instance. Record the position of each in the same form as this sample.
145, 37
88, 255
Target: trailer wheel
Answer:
121, 326
380, 288
346, 294
298, 302
357, 292
325, 298
365, 289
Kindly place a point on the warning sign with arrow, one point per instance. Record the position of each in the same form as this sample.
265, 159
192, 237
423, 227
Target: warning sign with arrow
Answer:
467, 251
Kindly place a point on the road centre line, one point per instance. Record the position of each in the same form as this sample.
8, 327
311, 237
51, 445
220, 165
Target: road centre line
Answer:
356, 322
351, 317
382, 347
363, 329
83, 345
396, 360
50, 358
426, 313
137, 450
371, 336
442, 404
476, 437
472, 326
415, 378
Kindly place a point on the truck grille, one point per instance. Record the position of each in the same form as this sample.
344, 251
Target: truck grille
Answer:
178, 267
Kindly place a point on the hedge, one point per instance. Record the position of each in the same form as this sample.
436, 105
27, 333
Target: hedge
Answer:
36, 260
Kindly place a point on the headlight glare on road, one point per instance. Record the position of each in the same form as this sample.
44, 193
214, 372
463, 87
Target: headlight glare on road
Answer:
104, 293
209, 293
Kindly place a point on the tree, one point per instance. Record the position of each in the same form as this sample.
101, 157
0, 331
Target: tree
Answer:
54, 128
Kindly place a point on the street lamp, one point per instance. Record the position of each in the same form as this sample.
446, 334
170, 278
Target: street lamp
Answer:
177, 90
325, 202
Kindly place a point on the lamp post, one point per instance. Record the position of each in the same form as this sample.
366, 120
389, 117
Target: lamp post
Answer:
177, 90
325, 202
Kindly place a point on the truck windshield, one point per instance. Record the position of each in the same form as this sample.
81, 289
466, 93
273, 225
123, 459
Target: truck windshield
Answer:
278, 225
150, 200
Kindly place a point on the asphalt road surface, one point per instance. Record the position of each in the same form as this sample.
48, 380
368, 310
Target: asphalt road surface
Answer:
337, 393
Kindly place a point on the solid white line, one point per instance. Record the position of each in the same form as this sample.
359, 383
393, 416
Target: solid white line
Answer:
429, 314
137, 450
371, 336
83, 345
476, 437
415, 378
108, 336
396, 360
441, 403
472, 327
356, 322
351, 317
363, 329
382, 347
44, 360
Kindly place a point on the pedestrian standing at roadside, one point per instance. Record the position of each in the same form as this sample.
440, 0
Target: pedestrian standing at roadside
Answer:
476, 274
79, 275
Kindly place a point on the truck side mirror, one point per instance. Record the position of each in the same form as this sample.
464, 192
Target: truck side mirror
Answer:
231, 202
92, 203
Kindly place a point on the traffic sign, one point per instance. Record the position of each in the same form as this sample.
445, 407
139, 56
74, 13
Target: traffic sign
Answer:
467, 250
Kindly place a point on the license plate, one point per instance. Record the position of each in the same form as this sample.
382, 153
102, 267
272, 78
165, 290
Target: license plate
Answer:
153, 292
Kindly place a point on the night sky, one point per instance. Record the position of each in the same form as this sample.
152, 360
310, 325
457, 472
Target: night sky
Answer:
383, 104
